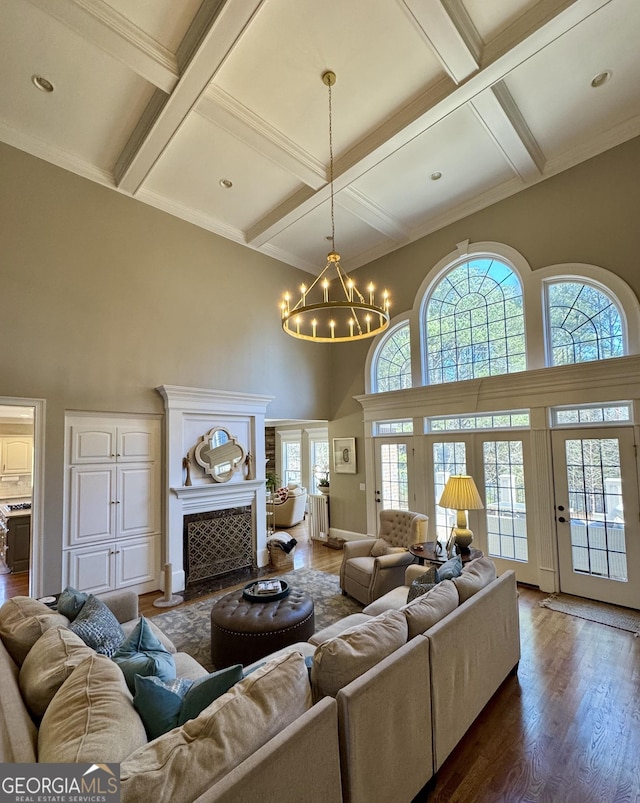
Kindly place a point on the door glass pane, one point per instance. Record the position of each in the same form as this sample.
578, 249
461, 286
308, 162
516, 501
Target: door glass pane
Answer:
595, 504
394, 476
448, 458
505, 499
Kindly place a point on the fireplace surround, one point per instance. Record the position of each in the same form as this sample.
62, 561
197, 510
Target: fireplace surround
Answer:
191, 413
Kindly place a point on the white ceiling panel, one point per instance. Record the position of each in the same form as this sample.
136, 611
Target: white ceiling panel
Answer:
166, 21
459, 148
200, 156
553, 89
379, 56
91, 112
494, 94
492, 18
307, 237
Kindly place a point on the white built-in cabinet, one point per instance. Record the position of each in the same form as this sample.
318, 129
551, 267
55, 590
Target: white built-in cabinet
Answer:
113, 510
16, 455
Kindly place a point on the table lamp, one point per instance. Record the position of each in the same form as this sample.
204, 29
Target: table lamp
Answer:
460, 494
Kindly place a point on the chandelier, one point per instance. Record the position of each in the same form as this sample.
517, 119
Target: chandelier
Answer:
332, 309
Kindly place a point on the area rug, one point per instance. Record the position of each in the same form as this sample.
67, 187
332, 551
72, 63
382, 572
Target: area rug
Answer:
601, 612
189, 626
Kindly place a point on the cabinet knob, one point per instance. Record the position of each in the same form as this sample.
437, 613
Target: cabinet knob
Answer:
112, 455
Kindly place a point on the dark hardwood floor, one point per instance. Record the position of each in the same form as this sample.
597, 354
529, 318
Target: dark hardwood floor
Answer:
565, 729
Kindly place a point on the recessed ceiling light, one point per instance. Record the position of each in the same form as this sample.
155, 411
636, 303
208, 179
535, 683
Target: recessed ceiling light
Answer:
600, 79
224, 182
436, 176
41, 83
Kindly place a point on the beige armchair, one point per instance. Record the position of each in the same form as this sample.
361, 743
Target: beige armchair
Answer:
365, 576
291, 511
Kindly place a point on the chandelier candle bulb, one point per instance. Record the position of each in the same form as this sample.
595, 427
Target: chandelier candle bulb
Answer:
350, 327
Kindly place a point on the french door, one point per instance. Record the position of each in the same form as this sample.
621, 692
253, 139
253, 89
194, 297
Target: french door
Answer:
497, 461
598, 514
394, 474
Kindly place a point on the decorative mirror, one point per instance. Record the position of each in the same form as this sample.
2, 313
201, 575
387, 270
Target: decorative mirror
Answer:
219, 454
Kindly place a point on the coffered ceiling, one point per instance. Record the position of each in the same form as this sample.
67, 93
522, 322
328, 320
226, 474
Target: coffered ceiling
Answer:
164, 100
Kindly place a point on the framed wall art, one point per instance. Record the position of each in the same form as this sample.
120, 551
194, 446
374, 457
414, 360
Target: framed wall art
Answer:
344, 455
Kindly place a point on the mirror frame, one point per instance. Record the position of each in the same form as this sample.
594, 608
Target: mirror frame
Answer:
203, 454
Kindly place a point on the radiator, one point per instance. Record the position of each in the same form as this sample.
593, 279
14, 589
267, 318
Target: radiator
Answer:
318, 516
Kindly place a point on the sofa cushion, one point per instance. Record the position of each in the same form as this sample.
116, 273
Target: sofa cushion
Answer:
98, 627
340, 660
337, 628
91, 719
360, 569
48, 664
142, 653
423, 612
185, 762
476, 575
425, 582
22, 621
452, 568
18, 734
70, 602
164, 705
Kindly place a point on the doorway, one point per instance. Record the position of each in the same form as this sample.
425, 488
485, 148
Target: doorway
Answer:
598, 513
21, 487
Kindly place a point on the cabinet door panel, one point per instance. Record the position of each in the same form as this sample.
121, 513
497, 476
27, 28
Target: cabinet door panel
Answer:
91, 569
137, 500
137, 561
93, 443
17, 455
136, 443
93, 503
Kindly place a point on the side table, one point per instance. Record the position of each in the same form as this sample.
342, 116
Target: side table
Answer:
425, 553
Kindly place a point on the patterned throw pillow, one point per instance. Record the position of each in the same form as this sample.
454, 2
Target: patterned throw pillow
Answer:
422, 584
98, 627
280, 495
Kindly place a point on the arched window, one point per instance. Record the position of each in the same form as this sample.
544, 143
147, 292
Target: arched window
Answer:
392, 366
584, 323
475, 322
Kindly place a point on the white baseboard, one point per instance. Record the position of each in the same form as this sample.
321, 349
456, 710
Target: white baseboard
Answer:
348, 535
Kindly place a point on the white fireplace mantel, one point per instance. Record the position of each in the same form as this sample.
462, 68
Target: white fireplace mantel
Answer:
189, 414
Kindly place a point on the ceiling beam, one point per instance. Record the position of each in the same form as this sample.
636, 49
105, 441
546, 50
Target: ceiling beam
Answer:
426, 113
444, 37
156, 129
501, 118
103, 26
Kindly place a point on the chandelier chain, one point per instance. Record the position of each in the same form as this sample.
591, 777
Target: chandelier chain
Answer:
333, 225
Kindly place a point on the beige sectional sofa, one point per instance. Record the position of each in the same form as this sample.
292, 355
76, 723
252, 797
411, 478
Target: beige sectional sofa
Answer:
384, 706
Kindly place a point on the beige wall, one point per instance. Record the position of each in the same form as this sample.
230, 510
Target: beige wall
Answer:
589, 214
105, 298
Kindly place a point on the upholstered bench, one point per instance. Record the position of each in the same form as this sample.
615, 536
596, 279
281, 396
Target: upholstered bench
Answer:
243, 631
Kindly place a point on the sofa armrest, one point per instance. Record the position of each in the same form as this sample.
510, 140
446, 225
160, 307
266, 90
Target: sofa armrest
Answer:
358, 549
122, 603
394, 559
413, 571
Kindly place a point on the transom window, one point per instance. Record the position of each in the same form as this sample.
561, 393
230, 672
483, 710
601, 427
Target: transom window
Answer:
584, 324
475, 323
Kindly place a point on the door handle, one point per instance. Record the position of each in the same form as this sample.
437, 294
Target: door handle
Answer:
561, 519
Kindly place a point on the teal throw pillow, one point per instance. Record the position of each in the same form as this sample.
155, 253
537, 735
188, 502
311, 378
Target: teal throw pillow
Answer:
166, 705
452, 568
70, 602
98, 627
425, 582
142, 653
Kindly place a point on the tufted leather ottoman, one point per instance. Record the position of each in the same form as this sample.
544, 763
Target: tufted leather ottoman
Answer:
243, 631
